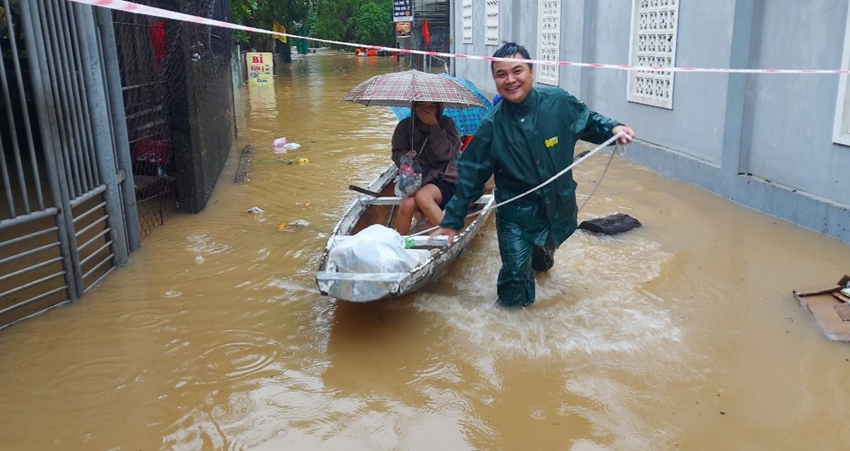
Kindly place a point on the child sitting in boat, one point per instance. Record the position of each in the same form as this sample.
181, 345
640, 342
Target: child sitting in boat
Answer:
433, 141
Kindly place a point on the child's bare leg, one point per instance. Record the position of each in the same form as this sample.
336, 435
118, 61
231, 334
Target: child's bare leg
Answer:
428, 200
405, 215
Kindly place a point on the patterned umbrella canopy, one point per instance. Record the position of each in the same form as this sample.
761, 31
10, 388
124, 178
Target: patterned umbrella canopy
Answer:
466, 119
401, 88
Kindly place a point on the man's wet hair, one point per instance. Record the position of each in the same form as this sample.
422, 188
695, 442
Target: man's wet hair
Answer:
508, 50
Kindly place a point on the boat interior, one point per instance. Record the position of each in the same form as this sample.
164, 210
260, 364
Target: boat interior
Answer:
382, 209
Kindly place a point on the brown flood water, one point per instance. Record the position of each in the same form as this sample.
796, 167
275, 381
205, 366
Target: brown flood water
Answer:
680, 335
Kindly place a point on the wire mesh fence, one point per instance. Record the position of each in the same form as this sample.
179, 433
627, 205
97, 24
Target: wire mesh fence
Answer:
159, 62
141, 45
431, 19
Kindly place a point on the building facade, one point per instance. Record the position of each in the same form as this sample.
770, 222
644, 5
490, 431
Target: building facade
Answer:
777, 143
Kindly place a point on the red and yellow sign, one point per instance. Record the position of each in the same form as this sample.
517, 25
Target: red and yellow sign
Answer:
260, 68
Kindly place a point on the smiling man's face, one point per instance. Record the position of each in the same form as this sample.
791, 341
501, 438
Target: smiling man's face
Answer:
513, 79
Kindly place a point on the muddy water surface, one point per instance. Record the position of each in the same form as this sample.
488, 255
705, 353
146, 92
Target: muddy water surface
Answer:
680, 335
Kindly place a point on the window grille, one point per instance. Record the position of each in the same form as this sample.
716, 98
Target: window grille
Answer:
654, 28
466, 23
491, 11
549, 40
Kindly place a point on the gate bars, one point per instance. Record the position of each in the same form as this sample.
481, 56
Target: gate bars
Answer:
54, 249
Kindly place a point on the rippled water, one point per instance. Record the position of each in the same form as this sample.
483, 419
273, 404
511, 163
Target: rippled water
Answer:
680, 335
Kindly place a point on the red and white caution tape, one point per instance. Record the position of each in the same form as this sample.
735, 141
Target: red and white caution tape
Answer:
136, 8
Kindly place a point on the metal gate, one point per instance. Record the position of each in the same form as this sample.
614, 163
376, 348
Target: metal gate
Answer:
66, 207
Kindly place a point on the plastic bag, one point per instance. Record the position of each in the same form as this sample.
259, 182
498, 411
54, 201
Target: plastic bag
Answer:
375, 249
409, 177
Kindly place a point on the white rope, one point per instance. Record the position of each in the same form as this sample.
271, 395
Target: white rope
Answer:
599, 180
551, 179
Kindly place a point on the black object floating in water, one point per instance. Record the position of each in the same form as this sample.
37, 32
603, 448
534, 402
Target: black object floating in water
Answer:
610, 225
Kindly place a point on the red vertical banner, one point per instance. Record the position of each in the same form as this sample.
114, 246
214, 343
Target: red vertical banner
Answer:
426, 34
157, 35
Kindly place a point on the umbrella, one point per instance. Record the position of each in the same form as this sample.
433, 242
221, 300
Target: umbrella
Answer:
466, 119
401, 88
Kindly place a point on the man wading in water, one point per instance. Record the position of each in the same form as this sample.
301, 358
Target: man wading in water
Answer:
529, 137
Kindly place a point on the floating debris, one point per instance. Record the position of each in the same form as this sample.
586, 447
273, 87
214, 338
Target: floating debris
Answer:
610, 225
286, 148
290, 226
244, 165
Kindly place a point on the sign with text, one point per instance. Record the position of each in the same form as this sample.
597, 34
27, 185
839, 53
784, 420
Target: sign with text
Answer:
402, 29
260, 68
402, 10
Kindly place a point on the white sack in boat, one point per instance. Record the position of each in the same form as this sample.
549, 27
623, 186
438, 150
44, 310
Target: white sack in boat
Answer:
375, 249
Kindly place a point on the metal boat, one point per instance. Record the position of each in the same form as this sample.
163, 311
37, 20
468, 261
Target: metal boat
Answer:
377, 205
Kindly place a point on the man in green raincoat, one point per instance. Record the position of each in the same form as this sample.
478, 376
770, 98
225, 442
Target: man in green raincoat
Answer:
526, 139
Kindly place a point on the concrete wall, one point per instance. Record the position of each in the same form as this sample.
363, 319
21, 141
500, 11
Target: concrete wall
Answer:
212, 125
761, 140
201, 112
792, 116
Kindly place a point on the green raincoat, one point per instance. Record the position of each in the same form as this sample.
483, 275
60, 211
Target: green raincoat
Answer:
524, 145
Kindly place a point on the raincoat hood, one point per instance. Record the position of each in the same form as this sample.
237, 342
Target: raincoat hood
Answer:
440, 109
437, 146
